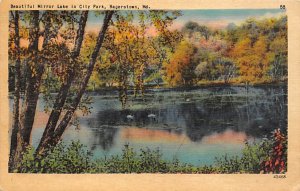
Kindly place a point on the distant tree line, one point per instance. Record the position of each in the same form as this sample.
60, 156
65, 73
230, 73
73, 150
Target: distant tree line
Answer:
253, 52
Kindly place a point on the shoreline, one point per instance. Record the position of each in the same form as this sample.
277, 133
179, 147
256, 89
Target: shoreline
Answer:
163, 88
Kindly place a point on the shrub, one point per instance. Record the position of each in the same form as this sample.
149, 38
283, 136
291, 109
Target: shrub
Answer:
277, 159
250, 161
73, 158
151, 161
127, 163
268, 156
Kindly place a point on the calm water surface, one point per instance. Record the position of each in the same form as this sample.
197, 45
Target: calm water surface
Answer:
194, 126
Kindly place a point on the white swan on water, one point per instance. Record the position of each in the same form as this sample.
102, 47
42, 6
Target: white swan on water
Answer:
130, 117
151, 115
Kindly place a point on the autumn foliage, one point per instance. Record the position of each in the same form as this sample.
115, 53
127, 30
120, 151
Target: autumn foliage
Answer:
53, 56
277, 160
180, 69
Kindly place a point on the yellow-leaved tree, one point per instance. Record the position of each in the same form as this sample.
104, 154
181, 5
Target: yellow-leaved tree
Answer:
252, 61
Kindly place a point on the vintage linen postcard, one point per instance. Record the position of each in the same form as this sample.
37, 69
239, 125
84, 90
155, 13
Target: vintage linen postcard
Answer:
145, 95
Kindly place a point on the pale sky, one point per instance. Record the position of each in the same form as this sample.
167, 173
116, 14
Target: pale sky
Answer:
217, 18
214, 18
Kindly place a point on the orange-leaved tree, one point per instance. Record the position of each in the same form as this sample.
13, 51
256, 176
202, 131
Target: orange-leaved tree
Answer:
180, 69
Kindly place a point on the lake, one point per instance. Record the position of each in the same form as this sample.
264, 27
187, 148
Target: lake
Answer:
194, 126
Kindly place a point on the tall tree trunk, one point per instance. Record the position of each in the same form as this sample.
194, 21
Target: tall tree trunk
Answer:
17, 72
63, 92
27, 115
34, 72
58, 132
32, 85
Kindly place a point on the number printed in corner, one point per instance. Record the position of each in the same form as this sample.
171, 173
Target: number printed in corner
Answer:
279, 176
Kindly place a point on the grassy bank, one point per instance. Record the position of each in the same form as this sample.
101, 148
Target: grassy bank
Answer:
268, 156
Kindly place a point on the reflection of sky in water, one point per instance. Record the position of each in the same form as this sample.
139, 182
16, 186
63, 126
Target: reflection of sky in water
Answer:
171, 144
212, 123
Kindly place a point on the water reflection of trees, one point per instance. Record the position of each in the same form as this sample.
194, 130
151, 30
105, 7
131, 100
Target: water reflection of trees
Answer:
256, 112
103, 136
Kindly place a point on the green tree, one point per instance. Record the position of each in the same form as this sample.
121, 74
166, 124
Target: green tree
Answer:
37, 57
55, 40
278, 57
133, 53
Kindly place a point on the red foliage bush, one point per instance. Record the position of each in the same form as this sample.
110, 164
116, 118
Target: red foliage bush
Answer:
277, 160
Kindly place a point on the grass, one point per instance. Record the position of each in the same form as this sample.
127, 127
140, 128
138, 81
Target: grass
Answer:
268, 156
